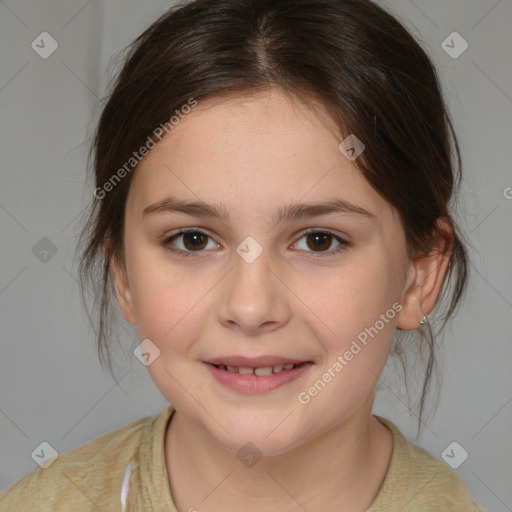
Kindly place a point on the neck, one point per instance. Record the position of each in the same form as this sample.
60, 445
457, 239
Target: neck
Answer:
345, 466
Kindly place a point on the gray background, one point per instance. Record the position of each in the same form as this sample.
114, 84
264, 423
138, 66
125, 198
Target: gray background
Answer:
52, 386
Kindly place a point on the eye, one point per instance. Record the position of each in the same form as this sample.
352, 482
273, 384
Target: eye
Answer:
187, 241
321, 241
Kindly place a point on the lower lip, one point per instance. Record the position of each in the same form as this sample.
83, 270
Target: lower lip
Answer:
251, 384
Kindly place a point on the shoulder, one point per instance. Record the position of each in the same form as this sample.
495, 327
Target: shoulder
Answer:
419, 480
85, 478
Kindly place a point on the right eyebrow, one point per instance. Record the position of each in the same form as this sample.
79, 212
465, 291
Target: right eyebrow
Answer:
196, 208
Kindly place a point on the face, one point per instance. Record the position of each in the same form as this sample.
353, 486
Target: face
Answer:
289, 257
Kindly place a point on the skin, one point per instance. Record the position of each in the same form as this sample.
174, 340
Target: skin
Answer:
252, 155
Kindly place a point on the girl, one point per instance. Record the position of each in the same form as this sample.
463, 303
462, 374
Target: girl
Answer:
271, 207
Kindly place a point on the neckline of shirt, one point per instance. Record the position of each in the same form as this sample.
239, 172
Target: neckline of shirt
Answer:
154, 478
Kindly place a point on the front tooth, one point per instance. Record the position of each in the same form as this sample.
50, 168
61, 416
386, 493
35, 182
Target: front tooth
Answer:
288, 366
245, 371
277, 368
232, 369
266, 370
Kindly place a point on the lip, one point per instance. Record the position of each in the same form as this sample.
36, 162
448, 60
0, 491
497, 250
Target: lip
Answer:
254, 362
252, 384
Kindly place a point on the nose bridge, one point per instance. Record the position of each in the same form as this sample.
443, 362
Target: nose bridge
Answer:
250, 281
252, 297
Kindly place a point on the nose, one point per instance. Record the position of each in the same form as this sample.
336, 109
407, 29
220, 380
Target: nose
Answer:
253, 297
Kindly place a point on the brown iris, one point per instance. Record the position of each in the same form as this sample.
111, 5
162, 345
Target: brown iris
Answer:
194, 241
319, 241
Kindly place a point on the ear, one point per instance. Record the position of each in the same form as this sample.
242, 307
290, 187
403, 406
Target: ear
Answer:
425, 278
121, 285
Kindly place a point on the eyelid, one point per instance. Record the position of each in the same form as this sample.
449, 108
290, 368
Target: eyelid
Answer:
188, 230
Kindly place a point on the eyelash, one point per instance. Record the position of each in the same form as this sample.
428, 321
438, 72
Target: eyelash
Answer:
344, 244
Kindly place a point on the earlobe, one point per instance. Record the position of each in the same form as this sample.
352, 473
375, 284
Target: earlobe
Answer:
427, 275
122, 290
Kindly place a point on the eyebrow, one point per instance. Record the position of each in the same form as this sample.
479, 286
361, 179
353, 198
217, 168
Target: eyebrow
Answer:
290, 212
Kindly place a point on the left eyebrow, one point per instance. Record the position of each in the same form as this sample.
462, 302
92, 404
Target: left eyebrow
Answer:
289, 212
302, 210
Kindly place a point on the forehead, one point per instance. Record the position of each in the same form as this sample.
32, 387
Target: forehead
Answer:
257, 151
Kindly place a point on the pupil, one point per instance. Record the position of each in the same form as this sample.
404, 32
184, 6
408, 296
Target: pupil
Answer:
320, 241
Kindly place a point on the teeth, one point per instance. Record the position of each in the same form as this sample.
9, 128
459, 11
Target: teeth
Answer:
260, 372
267, 370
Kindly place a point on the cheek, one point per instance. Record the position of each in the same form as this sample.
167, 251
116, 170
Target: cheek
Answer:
172, 312
169, 301
355, 315
350, 300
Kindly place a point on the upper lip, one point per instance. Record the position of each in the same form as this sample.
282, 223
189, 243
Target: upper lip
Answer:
253, 362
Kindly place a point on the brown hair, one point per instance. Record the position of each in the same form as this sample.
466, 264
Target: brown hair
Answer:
351, 55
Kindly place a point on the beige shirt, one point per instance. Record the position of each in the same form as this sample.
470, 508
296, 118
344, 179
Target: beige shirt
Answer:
90, 477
